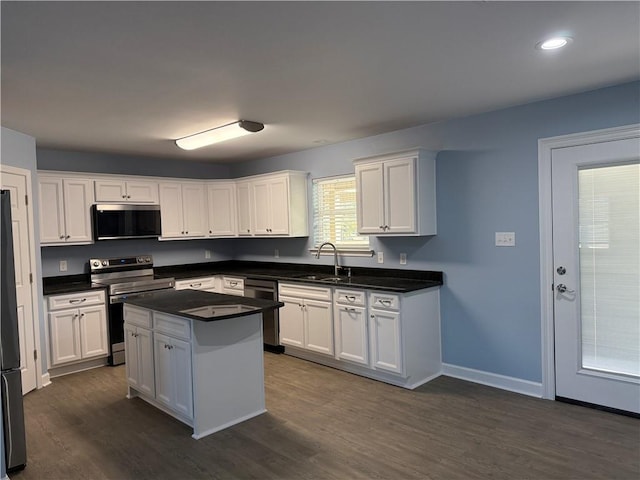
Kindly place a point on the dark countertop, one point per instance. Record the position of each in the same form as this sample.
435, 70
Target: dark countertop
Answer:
390, 280
68, 284
174, 302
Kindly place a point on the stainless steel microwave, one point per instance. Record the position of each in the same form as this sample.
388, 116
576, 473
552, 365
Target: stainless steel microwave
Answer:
120, 221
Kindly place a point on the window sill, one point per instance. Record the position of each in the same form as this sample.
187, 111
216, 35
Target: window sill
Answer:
345, 252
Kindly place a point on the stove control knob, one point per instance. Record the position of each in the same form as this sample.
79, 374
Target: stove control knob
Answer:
96, 263
105, 263
140, 260
147, 259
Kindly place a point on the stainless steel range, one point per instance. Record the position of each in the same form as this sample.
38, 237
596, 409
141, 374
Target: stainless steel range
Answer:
126, 277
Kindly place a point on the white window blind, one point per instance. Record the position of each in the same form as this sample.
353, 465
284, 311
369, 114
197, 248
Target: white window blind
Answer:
609, 216
334, 213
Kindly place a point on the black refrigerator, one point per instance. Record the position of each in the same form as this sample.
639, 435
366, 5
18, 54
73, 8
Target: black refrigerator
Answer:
15, 449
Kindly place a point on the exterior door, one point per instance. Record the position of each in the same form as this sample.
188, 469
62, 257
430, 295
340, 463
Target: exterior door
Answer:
596, 255
23, 249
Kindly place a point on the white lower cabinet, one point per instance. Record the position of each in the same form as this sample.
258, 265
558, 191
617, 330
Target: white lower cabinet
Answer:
306, 320
394, 338
172, 361
351, 329
138, 343
77, 333
233, 286
158, 351
386, 348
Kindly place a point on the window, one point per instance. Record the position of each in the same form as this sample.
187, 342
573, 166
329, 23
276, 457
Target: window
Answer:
334, 213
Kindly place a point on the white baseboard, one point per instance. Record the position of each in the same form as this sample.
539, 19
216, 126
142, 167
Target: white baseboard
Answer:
46, 380
512, 384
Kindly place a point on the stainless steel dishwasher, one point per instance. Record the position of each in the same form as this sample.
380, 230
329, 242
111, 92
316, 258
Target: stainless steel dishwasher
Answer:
268, 290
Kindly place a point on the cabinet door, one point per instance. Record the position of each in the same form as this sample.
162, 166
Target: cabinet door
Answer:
400, 196
78, 198
194, 210
132, 353
163, 369
93, 331
351, 334
279, 206
110, 191
261, 207
182, 377
369, 198
243, 197
318, 326
142, 192
64, 334
146, 369
386, 349
222, 211
171, 210
51, 210
291, 322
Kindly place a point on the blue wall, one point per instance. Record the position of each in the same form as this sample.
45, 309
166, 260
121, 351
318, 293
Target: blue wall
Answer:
486, 181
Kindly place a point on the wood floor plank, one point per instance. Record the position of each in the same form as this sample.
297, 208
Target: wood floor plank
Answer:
326, 424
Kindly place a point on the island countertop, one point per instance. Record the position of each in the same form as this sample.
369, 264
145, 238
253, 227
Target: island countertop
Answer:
202, 306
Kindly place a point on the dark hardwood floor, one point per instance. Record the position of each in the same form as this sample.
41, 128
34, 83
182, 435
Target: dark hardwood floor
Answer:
326, 424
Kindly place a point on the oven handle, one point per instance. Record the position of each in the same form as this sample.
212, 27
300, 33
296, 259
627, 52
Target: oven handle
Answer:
121, 298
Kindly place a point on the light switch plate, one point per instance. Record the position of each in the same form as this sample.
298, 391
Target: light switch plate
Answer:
276, 253
403, 259
63, 265
505, 239
380, 257
207, 254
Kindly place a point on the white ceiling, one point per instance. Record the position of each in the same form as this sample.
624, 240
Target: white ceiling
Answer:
129, 77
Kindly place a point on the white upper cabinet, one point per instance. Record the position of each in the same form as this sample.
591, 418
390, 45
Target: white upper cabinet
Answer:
65, 210
132, 191
183, 210
396, 194
243, 205
279, 205
221, 198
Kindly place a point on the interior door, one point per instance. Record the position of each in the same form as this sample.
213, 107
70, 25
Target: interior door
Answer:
596, 252
22, 250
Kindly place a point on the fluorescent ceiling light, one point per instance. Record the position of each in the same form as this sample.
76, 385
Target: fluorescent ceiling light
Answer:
219, 134
554, 43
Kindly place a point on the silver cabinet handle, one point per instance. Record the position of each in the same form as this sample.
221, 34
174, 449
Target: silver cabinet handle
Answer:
68, 236
386, 303
233, 284
195, 285
124, 196
351, 298
61, 237
349, 309
77, 300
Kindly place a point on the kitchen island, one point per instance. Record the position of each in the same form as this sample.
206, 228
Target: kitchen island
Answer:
198, 356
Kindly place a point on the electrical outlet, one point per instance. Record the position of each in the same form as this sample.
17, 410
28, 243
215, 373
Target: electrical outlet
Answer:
505, 239
207, 254
63, 265
276, 253
380, 257
403, 259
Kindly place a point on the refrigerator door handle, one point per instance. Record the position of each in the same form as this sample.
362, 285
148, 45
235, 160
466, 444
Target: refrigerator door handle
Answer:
8, 438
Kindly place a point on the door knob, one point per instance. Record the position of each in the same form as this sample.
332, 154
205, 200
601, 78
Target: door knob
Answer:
562, 288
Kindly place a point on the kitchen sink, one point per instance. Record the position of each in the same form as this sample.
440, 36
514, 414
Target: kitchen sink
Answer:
321, 278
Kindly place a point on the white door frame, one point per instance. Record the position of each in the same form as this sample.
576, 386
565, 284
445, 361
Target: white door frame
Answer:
32, 266
545, 148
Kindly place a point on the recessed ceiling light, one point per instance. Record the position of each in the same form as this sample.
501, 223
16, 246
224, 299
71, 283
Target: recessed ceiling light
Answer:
554, 43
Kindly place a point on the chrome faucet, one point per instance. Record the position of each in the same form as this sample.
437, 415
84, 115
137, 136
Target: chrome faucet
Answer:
336, 267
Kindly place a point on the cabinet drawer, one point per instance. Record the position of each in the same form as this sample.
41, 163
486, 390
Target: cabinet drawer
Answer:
304, 291
349, 297
233, 283
203, 283
383, 301
137, 316
173, 326
79, 299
